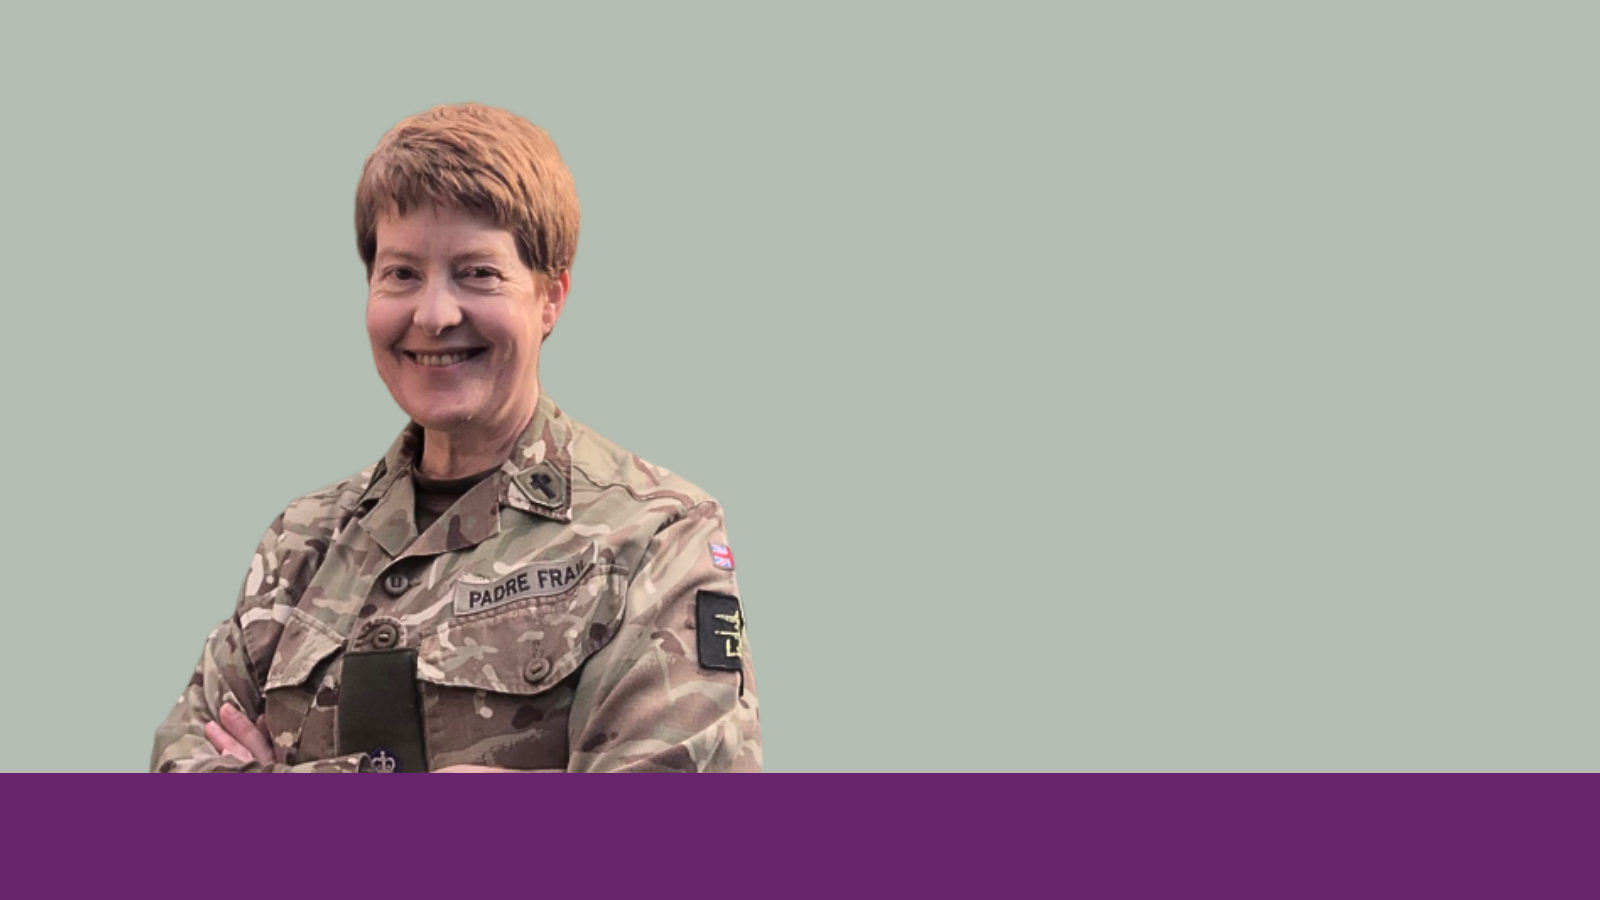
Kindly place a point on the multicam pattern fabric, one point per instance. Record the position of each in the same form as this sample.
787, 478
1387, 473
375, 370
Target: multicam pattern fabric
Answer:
552, 610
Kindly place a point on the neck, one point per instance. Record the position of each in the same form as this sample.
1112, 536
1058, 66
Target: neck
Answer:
447, 454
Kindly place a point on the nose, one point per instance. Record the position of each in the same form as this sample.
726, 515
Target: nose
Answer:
437, 310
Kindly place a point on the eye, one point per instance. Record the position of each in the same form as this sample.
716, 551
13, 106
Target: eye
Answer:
400, 273
480, 273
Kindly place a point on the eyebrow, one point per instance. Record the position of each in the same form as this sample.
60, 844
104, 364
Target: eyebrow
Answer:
407, 256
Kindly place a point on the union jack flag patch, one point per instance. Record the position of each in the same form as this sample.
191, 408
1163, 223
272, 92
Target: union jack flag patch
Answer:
721, 557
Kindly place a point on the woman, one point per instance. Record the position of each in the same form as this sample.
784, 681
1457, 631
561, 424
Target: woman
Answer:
505, 589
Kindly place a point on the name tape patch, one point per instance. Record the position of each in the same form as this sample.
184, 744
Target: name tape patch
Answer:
540, 579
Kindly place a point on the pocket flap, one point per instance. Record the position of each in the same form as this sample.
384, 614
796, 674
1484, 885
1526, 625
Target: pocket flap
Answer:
306, 642
528, 647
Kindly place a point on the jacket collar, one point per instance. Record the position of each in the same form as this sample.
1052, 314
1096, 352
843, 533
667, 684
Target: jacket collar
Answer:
536, 480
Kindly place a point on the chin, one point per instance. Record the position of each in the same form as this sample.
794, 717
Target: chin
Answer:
445, 421
443, 416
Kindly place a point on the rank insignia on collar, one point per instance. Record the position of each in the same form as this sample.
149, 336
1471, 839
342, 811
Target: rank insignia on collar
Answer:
721, 557
543, 485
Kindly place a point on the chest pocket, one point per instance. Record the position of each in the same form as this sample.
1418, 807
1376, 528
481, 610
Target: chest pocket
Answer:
496, 684
300, 692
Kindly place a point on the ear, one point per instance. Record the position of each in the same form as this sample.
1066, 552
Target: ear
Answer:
555, 299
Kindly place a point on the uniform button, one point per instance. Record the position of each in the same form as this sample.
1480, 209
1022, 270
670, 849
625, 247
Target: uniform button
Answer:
536, 670
396, 583
385, 636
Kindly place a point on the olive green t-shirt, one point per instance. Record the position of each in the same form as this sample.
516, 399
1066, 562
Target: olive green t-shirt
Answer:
435, 496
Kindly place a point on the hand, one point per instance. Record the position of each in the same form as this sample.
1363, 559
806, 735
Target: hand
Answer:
238, 737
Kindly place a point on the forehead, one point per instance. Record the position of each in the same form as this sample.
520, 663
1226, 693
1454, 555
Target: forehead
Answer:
440, 231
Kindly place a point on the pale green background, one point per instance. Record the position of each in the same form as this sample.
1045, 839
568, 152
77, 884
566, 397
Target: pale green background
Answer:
1116, 386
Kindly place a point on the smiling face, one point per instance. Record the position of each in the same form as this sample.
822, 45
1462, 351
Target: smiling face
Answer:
456, 320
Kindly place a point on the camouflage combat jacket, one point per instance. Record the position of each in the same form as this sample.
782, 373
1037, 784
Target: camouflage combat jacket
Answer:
558, 612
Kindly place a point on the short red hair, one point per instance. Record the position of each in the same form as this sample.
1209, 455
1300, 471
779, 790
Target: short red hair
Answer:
478, 159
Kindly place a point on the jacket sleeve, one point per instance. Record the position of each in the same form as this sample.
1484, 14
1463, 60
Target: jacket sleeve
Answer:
225, 675
647, 701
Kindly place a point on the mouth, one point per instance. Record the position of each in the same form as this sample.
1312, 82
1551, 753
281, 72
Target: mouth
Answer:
444, 360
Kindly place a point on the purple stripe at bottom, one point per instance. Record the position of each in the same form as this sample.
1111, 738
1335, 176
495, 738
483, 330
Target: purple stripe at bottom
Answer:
810, 835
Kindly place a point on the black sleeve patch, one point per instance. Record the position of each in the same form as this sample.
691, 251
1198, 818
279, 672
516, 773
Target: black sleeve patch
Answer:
719, 629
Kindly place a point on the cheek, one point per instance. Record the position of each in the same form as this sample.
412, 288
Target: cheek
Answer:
384, 327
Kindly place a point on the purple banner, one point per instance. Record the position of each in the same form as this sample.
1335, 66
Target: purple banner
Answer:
864, 835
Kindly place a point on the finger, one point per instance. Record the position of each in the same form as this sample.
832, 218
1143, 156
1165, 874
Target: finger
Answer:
261, 723
245, 732
225, 744
471, 770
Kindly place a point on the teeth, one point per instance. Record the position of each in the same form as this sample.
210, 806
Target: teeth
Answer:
446, 359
